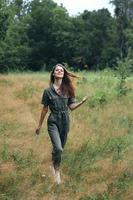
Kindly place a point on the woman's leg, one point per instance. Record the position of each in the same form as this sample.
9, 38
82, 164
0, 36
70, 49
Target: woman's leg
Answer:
57, 144
64, 129
63, 137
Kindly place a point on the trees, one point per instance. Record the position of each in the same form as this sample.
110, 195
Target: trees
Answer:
37, 34
94, 37
124, 17
4, 16
4, 22
13, 48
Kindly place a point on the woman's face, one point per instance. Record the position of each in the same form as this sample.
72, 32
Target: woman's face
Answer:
58, 72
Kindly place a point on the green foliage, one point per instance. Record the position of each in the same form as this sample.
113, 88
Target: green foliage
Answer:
4, 16
117, 145
5, 82
4, 152
27, 92
98, 168
37, 34
123, 122
102, 36
18, 157
124, 68
22, 160
4, 23
98, 99
123, 8
123, 182
8, 126
99, 196
3, 127
9, 187
83, 159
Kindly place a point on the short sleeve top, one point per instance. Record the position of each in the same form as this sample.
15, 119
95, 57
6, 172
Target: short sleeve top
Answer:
55, 101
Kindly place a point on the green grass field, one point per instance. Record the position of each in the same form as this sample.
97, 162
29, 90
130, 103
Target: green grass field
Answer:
97, 163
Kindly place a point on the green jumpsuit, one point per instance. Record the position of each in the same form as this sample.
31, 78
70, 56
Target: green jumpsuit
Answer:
58, 120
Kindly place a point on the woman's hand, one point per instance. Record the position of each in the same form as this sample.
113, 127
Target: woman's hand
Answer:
43, 113
73, 106
37, 132
85, 98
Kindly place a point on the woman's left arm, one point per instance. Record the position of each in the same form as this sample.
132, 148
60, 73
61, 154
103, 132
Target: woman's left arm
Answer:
73, 106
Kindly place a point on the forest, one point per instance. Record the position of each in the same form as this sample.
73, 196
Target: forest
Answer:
37, 34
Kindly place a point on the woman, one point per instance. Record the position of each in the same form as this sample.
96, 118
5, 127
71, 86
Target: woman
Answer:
59, 98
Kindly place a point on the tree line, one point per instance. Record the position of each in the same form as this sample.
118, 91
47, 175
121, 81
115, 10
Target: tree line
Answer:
36, 34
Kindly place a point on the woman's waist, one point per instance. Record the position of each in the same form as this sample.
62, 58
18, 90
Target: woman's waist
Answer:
58, 111
61, 112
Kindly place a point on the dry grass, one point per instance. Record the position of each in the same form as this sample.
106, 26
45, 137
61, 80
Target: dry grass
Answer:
24, 157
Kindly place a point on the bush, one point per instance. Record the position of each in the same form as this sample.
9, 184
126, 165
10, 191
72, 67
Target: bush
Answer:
124, 69
98, 99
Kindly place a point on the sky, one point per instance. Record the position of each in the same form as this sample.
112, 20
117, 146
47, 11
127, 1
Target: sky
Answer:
78, 6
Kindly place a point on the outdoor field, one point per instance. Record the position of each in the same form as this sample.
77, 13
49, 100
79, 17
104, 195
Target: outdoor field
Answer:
97, 162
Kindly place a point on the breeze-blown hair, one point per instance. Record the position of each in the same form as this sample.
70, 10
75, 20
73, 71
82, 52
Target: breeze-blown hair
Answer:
66, 87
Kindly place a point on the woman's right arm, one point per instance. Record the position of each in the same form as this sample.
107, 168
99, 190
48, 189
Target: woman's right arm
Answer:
73, 106
43, 114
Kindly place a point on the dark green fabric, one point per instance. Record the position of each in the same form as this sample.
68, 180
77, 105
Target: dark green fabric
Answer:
55, 101
58, 120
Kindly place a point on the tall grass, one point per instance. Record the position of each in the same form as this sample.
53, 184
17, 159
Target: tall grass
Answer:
97, 159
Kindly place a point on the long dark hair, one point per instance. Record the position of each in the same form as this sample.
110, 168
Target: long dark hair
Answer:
67, 86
